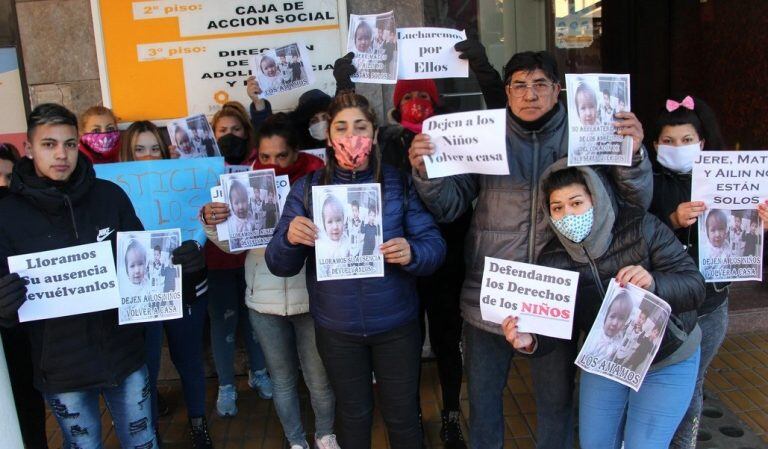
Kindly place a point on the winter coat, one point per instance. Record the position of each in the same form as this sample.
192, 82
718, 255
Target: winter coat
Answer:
621, 237
507, 223
80, 351
367, 306
669, 190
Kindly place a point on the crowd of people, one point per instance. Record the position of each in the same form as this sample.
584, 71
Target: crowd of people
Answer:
349, 338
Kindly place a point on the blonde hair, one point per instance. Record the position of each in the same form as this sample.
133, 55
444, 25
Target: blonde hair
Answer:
94, 111
236, 110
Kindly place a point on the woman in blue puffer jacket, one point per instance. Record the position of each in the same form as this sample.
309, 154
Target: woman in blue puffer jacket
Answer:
365, 325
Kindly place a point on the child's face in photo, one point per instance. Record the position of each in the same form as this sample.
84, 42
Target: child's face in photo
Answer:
182, 142
333, 219
753, 227
716, 231
239, 199
586, 107
371, 217
157, 256
135, 264
617, 317
268, 67
737, 222
362, 39
355, 212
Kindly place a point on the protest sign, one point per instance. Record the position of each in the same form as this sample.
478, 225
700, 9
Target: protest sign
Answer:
190, 57
283, 185
731, 184
282, 69
67, 281
150, 285
254, 209
236, 168
593, 99
428, 53
373, 40
167, 193
542, 298
467, 142
217, 195
625, 336
193, 137
317, 152
349, 220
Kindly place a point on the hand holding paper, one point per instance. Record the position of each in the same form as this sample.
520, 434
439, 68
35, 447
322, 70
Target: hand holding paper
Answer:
397, 251
519, 340
302, 231
13, 293
635, 274
421, 146
627, 124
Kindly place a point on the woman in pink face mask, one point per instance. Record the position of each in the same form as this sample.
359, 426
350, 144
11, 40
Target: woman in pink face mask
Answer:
99, 136
369, 325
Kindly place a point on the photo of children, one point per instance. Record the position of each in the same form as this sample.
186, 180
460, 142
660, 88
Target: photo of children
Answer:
593, 99
150, 285
252, 199
349, 221
625, 336
373, 40
730, 245
193, 137
282, 69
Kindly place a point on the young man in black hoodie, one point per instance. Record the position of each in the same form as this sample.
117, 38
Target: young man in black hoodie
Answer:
56, 201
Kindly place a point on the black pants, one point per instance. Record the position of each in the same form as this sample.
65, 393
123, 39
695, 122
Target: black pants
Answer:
394, 357
440, 296
30, 406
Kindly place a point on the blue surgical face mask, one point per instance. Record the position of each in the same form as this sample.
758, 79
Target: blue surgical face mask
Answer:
575, 227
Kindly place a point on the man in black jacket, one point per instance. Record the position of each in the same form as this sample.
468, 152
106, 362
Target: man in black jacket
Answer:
56, 202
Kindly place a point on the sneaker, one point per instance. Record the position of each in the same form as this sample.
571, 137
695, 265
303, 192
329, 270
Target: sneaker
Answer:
450, 431
226, 403
198, 433
260, 381
327, 442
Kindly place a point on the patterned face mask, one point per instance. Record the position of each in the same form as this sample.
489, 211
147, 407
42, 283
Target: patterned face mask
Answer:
352, 151
104, 144
575, 227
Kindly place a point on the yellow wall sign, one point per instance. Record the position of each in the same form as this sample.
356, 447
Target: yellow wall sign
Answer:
165, 59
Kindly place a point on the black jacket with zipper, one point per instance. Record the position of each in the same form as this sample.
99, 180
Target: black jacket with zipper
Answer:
80, 351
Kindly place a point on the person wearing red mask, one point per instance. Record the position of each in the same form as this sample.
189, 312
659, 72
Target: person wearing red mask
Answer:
279, 307
99, 136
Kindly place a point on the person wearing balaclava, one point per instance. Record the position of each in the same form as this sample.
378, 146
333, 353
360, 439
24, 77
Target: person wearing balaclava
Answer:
226, 276
311, 119
99, 136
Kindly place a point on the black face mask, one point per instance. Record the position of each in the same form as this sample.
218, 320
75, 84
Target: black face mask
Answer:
233, 148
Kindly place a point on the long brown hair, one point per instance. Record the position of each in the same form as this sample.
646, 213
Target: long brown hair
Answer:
236, 110
343, 101
129, 140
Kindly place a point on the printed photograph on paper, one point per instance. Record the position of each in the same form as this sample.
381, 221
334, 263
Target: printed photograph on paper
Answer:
282, 69
254, 208
150, 284
349, 220
373, 39
625, 336
193, 137
593, 99
730, 245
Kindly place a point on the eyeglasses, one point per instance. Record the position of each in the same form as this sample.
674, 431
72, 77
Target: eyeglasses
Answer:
540, 88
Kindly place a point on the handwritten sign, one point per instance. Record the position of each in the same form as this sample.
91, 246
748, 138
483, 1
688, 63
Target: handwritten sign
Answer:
467, 142
68, 281
428, 53
542, 298
167, 193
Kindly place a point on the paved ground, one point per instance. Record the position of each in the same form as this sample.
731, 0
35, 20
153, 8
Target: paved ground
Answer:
738, 376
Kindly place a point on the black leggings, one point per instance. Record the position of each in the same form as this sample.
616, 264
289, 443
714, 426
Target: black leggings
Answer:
394, 357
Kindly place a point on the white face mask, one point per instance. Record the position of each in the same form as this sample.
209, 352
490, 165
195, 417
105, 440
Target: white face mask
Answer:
678, 159
319, 131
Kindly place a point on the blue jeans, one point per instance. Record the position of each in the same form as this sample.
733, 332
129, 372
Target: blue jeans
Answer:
227, 311
292, 344
79, 417
185, 343
610, 413
713, 327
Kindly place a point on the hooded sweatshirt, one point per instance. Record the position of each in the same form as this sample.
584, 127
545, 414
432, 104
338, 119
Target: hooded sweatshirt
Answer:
621, 237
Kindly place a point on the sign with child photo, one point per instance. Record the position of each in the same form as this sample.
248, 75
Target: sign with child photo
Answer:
625, 336
348, 218
373, 40
253, 202
731, 185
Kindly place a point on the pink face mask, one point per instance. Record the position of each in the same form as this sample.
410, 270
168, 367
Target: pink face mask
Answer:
103, 144
352, 151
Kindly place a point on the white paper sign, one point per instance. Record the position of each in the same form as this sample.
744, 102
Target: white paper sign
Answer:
283, 185
730, 179
254, 209
317, 152
467, 142
349, 219
217, 196
428, 53
150, 285
625, 336
373, 40
542, 298
67, 281
193, 137
593, 99
282, 69
236, 168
